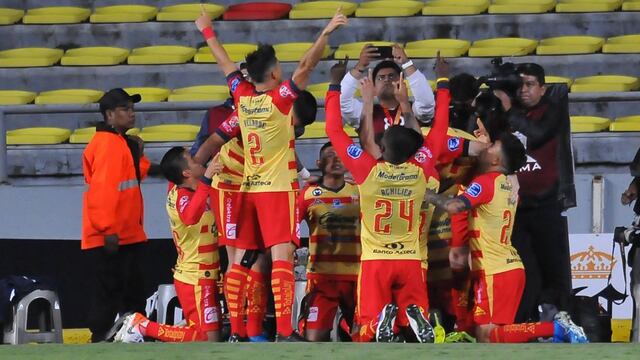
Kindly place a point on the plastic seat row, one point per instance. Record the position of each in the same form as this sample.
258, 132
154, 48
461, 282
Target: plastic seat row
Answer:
582, 124
306, 10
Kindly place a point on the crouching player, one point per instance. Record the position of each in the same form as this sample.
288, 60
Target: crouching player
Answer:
196, 271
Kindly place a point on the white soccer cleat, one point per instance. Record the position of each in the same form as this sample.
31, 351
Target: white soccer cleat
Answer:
130, 330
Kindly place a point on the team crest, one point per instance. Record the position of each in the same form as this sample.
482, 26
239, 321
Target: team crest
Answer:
285, 92
453, 144
337, 203
420, 157
184, 200
354, 151
474, 190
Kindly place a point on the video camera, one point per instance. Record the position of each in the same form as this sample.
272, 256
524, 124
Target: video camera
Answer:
505, 77
628, 235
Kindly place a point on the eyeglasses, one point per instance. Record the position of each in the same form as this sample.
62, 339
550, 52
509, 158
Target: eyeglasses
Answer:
391, 77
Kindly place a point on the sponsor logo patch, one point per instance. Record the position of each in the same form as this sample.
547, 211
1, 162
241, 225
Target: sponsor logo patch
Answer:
184, 200
313, 314
474, 190
316, 192
210, 315
234, 84
337, 203
453, 144
354, 151
230, 231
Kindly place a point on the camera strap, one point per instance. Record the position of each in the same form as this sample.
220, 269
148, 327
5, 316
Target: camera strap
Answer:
623, 256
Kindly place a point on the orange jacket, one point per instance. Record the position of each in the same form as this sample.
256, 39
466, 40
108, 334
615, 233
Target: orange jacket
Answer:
112, 201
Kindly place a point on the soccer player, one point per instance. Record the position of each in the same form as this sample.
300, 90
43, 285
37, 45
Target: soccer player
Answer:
331, 208
196, 271
495, 264
270, 182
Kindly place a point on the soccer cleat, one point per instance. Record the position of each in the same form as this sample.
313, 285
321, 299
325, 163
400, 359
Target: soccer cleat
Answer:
130, 330
420, 326
235, 338
459, 337
257, 339
566, 330
386, 320
440, 333
117, 325
294, 337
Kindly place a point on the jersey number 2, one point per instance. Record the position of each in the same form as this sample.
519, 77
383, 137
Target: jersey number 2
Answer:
254, 148
381, 223
508, 220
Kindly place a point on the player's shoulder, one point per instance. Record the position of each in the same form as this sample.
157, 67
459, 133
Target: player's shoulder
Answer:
313, 190
423, 155
483, 184
351, 189
286, 89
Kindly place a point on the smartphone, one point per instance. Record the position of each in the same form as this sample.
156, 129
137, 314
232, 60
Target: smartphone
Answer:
385, 52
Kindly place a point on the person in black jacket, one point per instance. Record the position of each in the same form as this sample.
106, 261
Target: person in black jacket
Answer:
541, 120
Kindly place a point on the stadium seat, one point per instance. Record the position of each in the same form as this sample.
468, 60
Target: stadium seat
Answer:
580, 124
558, 80
163, 54
626, 123
314, 131
569, 45
451, 132
84, 135
622, 44
38, 136
605, 83
502, 47
257, 11
631, 5
389, 8
429, 48
353, 49
10, 16
56, 15
149, 94
319, 91
29, 57
123, 14
578, 6
321, 9
294, 51
94, 56
16, 97
521, 6
188, 12
200, 93
169, 132
455, 7
69, 96
236, 52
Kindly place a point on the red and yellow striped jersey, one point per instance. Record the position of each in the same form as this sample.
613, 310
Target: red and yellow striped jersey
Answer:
333, 217
491, 224
231, 156
194, 234
267, 134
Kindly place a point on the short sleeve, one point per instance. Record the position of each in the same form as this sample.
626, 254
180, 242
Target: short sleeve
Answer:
480, 191
424, 158
238, 85
453, 150
229, 128
285, 95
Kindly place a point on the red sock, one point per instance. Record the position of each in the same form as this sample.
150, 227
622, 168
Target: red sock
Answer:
521, 333
282, 285
235, 293
367, 331
256, 303
167, 333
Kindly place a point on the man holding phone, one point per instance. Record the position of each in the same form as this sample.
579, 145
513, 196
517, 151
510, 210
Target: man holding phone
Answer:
386, 113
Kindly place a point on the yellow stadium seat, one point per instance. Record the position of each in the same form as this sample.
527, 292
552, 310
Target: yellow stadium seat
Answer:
16, 97
163, 54
56, 15
502, 47
10, 16
29, 57
353, 49
622, 44
123, 14
236, 52
200, 93
429, 48
587, 5
169, 132
581, 124
314, 131
626, 123
149, 94
84, 135
319, 91
188, 12
569, 45
388, 8
321, 9
37, 136
558, 80
69, 96
605, 83
521, 6
631, 5
294, 51
451, 132
455, 7
94, 56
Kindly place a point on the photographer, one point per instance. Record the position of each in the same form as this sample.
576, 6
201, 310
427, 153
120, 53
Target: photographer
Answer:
540, 117
631, 236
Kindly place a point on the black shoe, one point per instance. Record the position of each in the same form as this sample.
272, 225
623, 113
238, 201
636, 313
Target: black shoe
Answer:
294, 337
116, 327
235, 338
420, 326
386, 320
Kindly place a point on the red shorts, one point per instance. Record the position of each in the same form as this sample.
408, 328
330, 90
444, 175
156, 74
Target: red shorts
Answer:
267, 219
226, 206
324, 296
390, 281
199, 304
497, 297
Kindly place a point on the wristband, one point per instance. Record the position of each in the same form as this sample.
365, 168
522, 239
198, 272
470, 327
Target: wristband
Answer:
442, 79
304, 174
406, 65
208, 33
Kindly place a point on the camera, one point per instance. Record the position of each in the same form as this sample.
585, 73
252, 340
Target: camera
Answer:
505, 77
628, 235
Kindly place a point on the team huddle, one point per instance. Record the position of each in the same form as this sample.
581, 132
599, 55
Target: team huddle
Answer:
407, 220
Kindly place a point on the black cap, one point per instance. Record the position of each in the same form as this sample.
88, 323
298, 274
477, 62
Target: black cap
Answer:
116, 98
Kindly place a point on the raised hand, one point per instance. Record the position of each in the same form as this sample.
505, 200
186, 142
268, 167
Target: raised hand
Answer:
367, 89
400, 90
338, 20
204, 20
368, 54
441, 67
214, 167
338, 71
399, 56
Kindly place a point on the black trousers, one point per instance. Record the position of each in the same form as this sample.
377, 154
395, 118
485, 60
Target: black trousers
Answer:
541, 237
117, 286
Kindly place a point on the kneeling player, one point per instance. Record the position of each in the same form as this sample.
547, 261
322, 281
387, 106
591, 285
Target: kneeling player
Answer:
196, 270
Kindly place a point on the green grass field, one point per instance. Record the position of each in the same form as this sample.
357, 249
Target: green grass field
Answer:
194, 351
